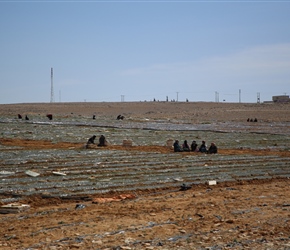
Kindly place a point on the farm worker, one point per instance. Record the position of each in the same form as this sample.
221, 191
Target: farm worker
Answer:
177, 147
202, 147
193, 146
185, 146
102, 141
212, 149
91, 141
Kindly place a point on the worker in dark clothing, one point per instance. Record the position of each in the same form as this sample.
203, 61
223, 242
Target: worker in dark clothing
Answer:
185, 146
102, 141
202, 147
177, 147
193, 146
91, 141
212, 149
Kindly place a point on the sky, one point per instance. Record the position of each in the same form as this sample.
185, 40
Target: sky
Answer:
144, 50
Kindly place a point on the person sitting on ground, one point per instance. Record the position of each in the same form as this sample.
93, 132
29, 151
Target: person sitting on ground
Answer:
185, 146
49, 116
102, 141
91, 141
212, 149
177, 147
193, 146
202, 147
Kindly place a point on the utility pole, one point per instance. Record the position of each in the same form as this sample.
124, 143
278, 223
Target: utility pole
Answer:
122, 98
177, 96
240, 96
51, 89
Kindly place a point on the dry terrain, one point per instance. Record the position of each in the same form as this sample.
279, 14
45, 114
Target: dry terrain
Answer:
243, 214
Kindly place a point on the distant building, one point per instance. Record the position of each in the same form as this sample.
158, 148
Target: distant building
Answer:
281, 98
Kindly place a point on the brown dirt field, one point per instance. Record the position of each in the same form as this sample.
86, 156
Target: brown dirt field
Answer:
197, 111
241, 215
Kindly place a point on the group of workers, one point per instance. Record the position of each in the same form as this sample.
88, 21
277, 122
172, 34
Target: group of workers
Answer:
177, 148
194, 147
102, 141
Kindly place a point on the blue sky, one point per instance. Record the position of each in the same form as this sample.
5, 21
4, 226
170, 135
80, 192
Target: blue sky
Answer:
141, 50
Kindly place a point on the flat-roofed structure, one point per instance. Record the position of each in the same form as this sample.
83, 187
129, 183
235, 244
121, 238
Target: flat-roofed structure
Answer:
281, 98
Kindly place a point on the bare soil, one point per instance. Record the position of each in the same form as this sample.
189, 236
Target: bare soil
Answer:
196, 111
251, 214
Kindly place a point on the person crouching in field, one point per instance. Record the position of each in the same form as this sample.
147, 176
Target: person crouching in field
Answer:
102, 141
91, 141
202, 147
193, 146
212, 149
185, 146
177, 147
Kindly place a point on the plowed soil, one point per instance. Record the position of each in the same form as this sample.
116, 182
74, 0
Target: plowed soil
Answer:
251, 214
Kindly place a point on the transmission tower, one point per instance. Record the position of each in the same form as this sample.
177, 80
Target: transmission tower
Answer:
51, 90
258, 97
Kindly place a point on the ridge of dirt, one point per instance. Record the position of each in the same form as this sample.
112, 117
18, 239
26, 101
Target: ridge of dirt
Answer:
43, 144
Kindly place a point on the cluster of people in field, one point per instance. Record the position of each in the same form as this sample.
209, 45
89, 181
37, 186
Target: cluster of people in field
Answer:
177, 148
102, 141
194, 147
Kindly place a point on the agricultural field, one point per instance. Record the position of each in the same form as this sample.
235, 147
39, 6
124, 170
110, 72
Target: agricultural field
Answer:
133, 197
